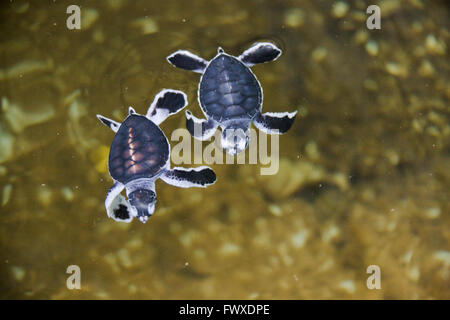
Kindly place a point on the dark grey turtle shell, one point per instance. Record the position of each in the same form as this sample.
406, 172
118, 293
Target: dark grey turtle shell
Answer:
229, 90
139, 150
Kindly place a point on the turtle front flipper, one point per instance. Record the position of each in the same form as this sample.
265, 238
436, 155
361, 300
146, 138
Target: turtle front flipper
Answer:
200, 129
188, 61
109, 123
166, 103
274, 122
260, 52
192, 177
117, 207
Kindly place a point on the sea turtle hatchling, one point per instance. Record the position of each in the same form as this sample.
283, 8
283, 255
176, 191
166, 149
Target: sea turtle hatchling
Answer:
231, 97
140, 154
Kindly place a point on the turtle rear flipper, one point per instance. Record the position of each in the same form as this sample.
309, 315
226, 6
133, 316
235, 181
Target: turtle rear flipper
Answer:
260, 53
117, 207
186, 60
190, 177
200, 129
166, 103
275, 122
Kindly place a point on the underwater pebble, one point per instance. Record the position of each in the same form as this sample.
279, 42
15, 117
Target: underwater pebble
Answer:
67, 193
6, 194
89, 17
312, 150
275, 210
69, 99
78, 136
98, 36
359, 16
77, 109
135, 243
18, 273
229, 249
6, 144
388, 7
111, 260
24, 68
319, 54
124, 258
417, 125
348, 286
339, 9
146, 25
370, 84
396, 69
419, 51
436, 118
132, 289
293, 175
426, 69
99, 157
443, 256
253, 295
294, 18
187, 238
406, 258
102, 294
372, 47
261, 239
3, 171
298, 239
417, 27
435, 46
433, 213
361, 37
19, 120
433, 131
175, 227
393, 157
327, 265
413, 273
341, 180
330, 233
44, 195
232, 17
21, 8
115, 4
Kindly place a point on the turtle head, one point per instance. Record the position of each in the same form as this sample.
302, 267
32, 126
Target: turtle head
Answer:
235, 138
143, 202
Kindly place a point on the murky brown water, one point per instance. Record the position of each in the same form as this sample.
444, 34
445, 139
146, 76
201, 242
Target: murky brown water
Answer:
364, 172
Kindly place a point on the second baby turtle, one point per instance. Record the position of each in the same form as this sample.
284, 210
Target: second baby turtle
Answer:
231, 97
140, 154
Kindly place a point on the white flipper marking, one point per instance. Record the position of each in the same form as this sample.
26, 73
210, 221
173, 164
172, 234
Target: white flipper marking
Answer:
169, 178
161, 114
114, 199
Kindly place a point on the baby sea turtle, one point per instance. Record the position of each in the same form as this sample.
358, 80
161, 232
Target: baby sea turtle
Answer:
140, 154
231, 97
